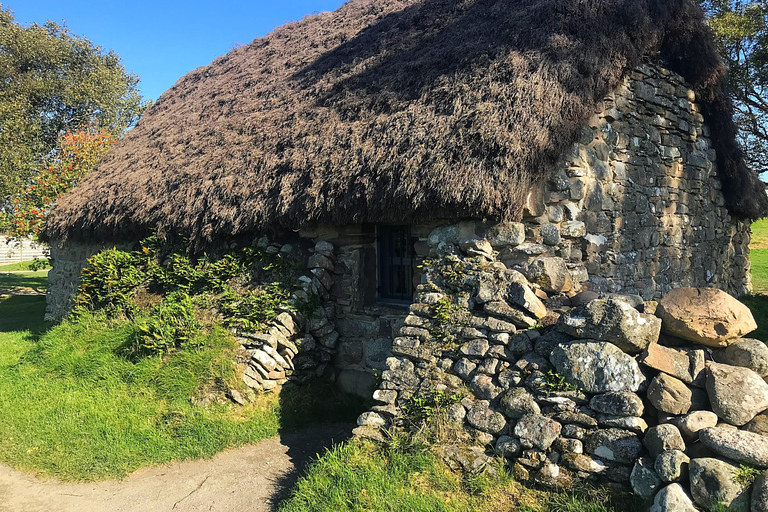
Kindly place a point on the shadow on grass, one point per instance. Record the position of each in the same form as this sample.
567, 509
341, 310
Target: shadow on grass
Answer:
37, 281
23, 313
758, 304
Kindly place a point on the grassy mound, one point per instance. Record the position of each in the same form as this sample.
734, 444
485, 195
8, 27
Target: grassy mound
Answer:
72, 407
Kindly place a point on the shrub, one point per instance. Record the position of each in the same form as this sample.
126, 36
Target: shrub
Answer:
108, 283
172, 325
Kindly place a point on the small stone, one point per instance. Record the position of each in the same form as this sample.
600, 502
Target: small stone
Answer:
612, 320
553, 476
672, 361
484, 419
614, 445
518, 402
705, 315
713, 485
550, 273
662, 438
670, 395
737, 394
673, 498
371, 419
508, 447
533, 362
758, 424
385, 396
456, 413
506, 234
596, 367
644, 479
550, 235
545, 344
521, 295
483, 388
740, 446
617, 404
475, 348
692, 423
515, 316
510, 378
574, 431
576, 418
585, 463
538, 430
564, 445
634, 424
746, 352
672, 465
464, 367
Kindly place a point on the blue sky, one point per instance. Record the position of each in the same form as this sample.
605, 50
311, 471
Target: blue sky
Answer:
163, 40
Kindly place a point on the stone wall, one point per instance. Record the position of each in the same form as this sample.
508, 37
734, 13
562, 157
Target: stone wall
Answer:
665, 398
68, 260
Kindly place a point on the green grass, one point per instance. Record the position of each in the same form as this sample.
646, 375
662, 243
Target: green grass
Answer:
758, 304
364, 476
16, 267
759, 234
759, 258
36, 281
70, 407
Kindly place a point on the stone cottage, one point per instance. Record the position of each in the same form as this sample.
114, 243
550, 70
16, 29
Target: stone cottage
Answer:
594, 138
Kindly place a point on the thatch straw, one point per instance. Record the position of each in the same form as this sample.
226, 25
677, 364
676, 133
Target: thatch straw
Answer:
392, 111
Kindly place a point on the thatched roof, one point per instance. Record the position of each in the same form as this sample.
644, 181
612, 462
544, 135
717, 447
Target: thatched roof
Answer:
392, 111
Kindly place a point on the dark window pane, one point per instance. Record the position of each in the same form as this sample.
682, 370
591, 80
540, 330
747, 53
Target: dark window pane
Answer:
395, 262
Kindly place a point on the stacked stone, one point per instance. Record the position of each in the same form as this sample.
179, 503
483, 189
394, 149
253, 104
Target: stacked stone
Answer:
292, 347
667, 398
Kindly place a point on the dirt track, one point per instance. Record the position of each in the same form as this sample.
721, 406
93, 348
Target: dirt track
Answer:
254, 479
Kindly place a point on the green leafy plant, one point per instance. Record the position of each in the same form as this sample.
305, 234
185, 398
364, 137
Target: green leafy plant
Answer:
109, 281
172, 325
423, 407
746, 475
556, 382
446, 314
39, 264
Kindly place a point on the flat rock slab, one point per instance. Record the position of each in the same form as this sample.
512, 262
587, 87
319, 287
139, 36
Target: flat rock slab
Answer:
597, 367
705, 315
252, 478
738, 445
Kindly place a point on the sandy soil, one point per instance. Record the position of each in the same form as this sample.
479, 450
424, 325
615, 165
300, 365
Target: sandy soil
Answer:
254, 479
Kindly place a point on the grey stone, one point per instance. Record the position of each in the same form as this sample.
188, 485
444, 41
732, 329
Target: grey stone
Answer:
672, 498
670, 395
550, 234
532, 362
520, 344
573, 229
611, 320
746, 352
514, 316
564, 445
385, 396
740, 446
545, 344
617, 404
760, 493
520, 294
574, 431
644, 479
596, 367
510, 378
371, 419
672, 465
550, 273
577, 418
737, 394
475, 348
614, 445
538, 430
477, 247
555, 477
713, 485
356, 383
506, 234
484, 419
456, 413
634, 424
464, 367
518, 402
662, 438
758, 424
679, 363
584, 463
508, 447
471, 460
482, 386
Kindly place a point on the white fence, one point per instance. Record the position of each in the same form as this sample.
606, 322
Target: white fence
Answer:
13, 250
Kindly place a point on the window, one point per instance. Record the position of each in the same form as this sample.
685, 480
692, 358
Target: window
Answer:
395, 249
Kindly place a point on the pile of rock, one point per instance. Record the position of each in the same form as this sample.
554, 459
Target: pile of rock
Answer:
292, 347
667, 398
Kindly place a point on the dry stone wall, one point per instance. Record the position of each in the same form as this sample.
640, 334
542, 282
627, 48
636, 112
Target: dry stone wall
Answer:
667, 398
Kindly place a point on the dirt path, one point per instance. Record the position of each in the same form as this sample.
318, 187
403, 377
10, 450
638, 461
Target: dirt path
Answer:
254, 479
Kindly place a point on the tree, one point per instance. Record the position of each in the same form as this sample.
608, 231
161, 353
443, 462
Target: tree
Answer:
52, 81
741, 32
76, 154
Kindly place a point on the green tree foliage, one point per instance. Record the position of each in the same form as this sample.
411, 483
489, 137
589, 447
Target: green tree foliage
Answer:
52, 81
741, 32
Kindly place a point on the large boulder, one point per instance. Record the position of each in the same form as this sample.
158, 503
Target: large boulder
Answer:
747, 352
737, 445
596, 367
714, 485
705, 315
737, 394
612, 320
